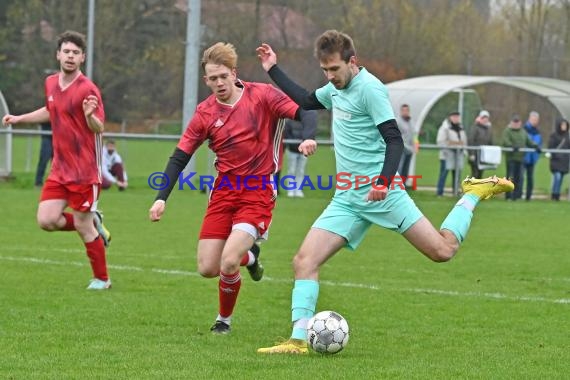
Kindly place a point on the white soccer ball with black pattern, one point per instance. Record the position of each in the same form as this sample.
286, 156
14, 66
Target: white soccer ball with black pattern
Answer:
327, 332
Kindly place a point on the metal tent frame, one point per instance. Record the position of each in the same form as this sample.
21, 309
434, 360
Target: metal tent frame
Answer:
5, 142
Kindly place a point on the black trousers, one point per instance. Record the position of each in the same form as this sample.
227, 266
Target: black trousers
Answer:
515, 173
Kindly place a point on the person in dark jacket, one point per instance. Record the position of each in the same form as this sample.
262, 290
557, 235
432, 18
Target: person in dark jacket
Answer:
479, 134
296, 161
46, 153
515, 137
559, 162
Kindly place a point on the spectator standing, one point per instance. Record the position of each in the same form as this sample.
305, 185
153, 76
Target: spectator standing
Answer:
479, 134
531, 158
515, 137
559, 162
302, 130
46, 154
407, 130
450, 134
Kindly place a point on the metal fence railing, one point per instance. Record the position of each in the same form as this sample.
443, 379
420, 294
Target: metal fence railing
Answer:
327, 142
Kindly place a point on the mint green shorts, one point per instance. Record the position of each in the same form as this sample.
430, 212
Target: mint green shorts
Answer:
350, 216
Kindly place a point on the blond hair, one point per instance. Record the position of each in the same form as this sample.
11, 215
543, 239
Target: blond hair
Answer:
220, 53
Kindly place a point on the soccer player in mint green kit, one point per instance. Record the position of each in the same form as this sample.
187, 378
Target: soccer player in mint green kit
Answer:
368, 143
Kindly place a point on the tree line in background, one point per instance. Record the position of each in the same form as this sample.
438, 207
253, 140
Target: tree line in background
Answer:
139, 45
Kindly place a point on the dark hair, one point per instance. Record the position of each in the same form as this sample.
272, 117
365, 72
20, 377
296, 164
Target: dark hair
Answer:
73, 37
559, 123
333, 41
404, 106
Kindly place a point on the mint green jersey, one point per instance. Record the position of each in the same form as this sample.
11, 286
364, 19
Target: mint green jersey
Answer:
356, 112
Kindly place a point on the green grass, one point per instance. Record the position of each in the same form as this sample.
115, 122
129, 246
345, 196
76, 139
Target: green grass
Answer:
499, 310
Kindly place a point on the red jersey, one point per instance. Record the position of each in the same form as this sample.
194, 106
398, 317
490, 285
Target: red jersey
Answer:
76, 149
247, 136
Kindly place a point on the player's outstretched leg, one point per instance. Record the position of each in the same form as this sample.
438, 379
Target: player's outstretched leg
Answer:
474, 190
103, 231
487, 187
256, 269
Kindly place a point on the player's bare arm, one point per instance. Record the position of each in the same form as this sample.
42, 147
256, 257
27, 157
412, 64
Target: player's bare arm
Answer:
267, 56
40, 115
90, 104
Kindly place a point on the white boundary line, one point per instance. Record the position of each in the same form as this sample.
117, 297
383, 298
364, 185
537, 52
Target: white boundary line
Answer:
81, 251
450, 293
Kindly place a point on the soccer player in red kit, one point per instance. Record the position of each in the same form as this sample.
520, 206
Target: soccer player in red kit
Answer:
75, 110
241, 121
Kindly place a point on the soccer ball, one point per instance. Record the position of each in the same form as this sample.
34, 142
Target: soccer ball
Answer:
327, 332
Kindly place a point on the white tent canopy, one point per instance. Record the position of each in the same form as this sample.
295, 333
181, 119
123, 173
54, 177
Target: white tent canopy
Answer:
422, 93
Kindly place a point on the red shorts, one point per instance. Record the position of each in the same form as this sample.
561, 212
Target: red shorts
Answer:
79, 197
248, 208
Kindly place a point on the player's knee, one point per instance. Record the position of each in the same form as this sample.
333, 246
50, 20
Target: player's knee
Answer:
47, 224
229, 264
441, 258
208, 271
303, 264
297, 262
442, 254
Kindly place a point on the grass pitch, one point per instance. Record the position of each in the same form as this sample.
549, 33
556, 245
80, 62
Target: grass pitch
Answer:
499, 310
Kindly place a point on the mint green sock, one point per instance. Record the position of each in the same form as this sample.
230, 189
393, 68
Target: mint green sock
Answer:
303, 304
459, 218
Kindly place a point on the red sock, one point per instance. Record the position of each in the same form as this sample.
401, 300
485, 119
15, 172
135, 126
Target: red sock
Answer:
69, 226
228, 290
96, 254
244, 259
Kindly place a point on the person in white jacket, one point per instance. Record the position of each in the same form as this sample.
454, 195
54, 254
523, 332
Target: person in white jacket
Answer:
113, 168
450, 134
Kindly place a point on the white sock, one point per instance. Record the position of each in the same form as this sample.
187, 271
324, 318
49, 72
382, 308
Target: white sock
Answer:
251, 258
227, 320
